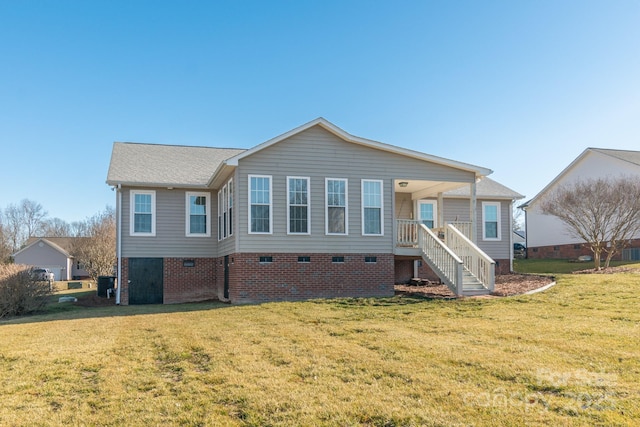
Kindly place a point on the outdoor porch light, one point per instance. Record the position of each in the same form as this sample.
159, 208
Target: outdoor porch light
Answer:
403, 184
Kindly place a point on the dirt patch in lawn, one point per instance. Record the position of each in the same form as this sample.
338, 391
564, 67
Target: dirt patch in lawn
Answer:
94, 301
506, 285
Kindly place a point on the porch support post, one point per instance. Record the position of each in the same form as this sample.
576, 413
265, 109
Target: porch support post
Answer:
440, 210
473, 211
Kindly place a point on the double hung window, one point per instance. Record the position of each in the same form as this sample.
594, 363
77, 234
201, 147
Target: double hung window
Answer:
372, 221
491, 221
298, 213
260, 212
198, 214
336, 206
143, 213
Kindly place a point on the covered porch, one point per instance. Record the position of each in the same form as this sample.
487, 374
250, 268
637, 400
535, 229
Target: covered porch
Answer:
435, 221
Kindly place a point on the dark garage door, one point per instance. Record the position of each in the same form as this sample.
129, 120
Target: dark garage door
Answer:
145, 280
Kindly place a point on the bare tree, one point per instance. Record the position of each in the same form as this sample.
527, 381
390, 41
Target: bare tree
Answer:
97, 249
604, 212
23, 221
12, 227
33, 216
5, 246
518, 219
56, 227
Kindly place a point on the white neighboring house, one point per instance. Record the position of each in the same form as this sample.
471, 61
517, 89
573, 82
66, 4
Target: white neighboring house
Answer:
547, 236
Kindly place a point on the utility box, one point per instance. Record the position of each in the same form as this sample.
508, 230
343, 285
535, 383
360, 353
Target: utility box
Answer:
104, 283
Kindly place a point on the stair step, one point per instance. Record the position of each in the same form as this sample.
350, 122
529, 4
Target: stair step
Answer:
470, 293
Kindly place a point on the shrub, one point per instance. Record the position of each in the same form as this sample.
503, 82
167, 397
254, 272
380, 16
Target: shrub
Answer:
20, 292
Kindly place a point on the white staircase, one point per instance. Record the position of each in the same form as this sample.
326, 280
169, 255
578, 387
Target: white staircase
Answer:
457, 261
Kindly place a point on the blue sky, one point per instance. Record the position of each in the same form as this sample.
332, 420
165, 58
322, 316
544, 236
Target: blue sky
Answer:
520, 87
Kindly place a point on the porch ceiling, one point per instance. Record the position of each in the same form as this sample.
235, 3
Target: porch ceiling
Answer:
421, 189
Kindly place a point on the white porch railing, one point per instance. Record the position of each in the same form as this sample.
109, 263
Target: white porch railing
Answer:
465, 227
441, 259
407, 233
450, 258
474, 259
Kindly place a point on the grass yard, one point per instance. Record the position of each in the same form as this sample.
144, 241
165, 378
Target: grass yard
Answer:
569, 356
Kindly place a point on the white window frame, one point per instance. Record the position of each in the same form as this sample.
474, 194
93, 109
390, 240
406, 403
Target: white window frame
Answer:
270, 204
230, 207
381, 207
346, 206
132, 207
219, 227
225, 213
207, 213
308, 205
499, 221
433, 203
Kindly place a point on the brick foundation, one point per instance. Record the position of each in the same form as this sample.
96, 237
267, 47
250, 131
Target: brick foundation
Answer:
287, 279
180, 283
189, 284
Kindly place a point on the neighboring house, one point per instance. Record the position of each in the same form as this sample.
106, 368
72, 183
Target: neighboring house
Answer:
313, 213
520, 236
547, 236
52, 253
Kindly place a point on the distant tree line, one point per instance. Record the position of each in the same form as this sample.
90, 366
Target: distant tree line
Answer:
96, 249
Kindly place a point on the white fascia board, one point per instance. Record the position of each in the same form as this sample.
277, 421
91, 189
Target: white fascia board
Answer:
555, 180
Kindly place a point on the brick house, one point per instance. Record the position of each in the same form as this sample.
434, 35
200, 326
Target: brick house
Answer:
313, 213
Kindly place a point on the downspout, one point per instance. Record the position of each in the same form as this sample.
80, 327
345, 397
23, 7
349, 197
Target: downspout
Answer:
473, 212
511, 235
119, 241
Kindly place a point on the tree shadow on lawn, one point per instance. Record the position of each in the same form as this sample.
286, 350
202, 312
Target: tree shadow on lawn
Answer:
90, 306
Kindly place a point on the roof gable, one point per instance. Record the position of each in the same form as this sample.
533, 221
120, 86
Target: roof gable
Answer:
325, 124
632, 157
59, 244
154, 165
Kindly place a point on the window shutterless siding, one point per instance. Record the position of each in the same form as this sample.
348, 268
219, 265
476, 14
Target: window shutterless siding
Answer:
298, 210
336, 217
260, 204
143, 213
372, 208
170, 239
229, 202
318, 154
198, 214
491, 221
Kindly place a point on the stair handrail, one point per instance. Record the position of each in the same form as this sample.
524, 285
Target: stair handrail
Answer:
441, 259
481, 265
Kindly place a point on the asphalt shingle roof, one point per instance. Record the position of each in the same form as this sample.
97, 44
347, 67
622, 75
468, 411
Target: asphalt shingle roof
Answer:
166, 165
626, 155
486, 188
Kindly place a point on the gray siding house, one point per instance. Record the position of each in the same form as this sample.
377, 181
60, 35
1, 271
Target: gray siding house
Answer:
313, 213
53, 253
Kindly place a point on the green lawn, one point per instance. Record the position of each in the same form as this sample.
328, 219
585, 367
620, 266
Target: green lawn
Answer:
558, 266
569, 356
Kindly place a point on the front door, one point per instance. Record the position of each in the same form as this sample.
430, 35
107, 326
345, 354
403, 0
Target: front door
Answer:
427, 213
145, 280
